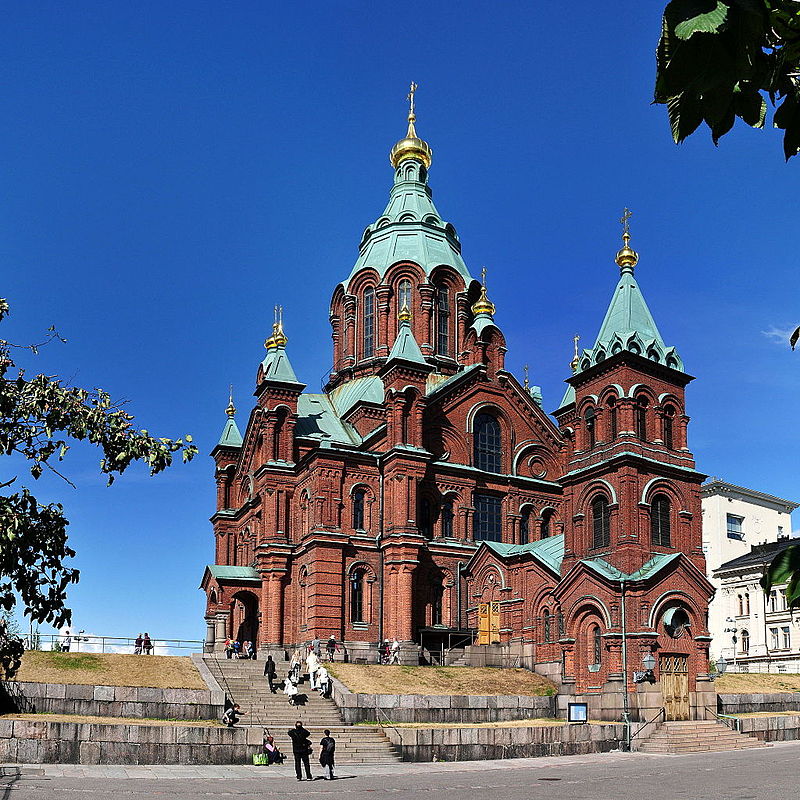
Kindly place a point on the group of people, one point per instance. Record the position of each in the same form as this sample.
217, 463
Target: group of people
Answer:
237, 649
142, 645
389, 652
302, 750
319, 677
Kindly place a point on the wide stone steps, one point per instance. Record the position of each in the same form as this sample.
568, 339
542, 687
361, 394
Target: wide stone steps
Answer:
697, 736
246, 685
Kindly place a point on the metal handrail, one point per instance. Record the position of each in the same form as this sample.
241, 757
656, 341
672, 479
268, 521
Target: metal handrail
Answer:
221, 673
662, 712
723, 718
79, 639
389, 724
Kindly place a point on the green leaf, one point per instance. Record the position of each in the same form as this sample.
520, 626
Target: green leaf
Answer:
750, 106
707, 22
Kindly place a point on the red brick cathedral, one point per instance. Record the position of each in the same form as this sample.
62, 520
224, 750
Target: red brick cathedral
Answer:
425, 495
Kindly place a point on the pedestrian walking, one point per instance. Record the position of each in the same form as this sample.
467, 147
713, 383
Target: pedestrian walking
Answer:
301, 750
147, 645
327, 747
316, 646
395, 652
312, 665
270, 672
137, 645
323, 682
290, 689
330, 647
294, 664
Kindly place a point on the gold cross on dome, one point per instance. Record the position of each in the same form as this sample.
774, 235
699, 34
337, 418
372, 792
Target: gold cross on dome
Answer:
526, 384
576, 338
626, 228
483, 276
410, 97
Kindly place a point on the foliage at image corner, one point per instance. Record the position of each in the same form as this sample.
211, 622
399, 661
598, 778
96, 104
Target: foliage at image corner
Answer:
721, 59
39, 417
785, 569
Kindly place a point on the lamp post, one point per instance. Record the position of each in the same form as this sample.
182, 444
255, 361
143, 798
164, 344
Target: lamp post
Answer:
732, 629
722, 665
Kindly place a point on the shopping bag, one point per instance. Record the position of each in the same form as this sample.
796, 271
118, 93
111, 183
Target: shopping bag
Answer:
260, 760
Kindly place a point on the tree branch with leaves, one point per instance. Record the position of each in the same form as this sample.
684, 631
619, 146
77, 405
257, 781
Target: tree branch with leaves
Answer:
39, 418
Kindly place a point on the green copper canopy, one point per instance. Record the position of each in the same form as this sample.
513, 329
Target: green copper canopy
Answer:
230, 435
410, 229
405, 347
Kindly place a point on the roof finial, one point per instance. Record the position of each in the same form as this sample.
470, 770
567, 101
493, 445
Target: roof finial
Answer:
526, 385
231, 409
280, 337
411, 146
483, 305
627, 258
574, 363
404, 315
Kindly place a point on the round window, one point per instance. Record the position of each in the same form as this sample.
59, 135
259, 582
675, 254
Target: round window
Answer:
676, 622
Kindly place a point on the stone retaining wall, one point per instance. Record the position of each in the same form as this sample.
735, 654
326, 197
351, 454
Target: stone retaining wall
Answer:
123, 701
477, 744
772, 729
358, 707
43, 742
755, 703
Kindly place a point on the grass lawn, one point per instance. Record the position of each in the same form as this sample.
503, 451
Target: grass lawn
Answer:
757, 683
110, 669
375, 679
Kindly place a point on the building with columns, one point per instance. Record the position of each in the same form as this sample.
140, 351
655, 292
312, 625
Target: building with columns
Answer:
426, 495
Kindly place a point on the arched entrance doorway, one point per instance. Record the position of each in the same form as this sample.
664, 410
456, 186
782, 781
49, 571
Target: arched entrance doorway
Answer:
244, 617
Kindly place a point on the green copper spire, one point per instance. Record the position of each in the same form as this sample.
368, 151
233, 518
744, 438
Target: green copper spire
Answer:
483, 308
628, 324
276, 364
405, 347
410, 227
230, 433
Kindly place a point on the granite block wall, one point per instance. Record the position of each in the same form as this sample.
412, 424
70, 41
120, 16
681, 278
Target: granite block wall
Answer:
755, 703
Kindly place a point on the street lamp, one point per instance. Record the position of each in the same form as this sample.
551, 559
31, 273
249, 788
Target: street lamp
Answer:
647, 676
722, 665
732, 629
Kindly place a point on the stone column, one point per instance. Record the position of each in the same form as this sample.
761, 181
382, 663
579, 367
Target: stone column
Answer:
271, 628
382, 293
211, 633
221, 634
424, 332
405, 603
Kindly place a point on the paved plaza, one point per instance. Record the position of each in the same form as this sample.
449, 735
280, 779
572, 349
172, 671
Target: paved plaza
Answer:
733, 775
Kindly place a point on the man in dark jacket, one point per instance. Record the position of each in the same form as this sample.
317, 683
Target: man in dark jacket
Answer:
270, 672
301, 748
327, 747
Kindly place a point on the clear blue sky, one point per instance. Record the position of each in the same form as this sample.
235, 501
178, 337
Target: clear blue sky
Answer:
168, 172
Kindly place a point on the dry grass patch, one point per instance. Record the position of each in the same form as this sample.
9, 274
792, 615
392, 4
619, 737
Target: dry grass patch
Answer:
757, 683
375, 679
110, 669
201, 723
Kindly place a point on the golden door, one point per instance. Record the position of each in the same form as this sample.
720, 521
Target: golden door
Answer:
494, 622
488, 623
674, 673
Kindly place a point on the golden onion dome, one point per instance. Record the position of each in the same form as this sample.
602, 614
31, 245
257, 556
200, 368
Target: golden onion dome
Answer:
231, 409
405, 314
411, 146
627, 256
483, 305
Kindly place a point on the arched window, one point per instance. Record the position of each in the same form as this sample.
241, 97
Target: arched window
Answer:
357, 595
547, 518
425, 518
613, 422
745, 642
560, 617
358, 509
641, 418
524, 526
741, 604
747, 603
597, 645
669, 418
442, 321
601, 536
447, 519
369, 322
487, 522
548, 634
659, 521
487, 442
591, 433
437, 595
404, 295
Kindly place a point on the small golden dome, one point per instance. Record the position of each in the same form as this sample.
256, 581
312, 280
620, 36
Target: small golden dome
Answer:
411, 146
627, 257
483, 305
231, 409
278, 338
405, 314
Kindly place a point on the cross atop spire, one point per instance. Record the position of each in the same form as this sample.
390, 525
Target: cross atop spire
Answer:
627, 258
410, 98
231, 409
526, 385
574, 363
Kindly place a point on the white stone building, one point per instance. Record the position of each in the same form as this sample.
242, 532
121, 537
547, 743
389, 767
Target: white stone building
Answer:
743, 530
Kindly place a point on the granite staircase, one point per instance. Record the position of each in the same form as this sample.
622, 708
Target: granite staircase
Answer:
244, 682
697, 736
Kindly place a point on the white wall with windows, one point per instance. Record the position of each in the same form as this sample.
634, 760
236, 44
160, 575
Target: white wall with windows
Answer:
735, 519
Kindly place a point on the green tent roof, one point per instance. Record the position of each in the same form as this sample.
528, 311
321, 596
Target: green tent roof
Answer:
230, 435
549, 551
221, 572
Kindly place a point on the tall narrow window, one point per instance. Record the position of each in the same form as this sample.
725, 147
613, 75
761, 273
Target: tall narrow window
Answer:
404, 295
613, 422
487, 525
358, 509
357, 596
591, 433
669, 418
597, 645
369, 322
425, 518
560, 617
442, 321
524, 526
659, 521
641, 418
741, 604
747, 602
547, 517
548, 634
437, 594
487, 442
447, 519
601, 536
745, 642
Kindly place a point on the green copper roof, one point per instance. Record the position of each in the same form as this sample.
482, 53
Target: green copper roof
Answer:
317, 418
405, 347
549, 551
230, 435
277, 366
629, 325
359, 390
654, 565
410, 229
234, 573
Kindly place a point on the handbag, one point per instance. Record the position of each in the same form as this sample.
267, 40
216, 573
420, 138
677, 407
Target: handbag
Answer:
260, 760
